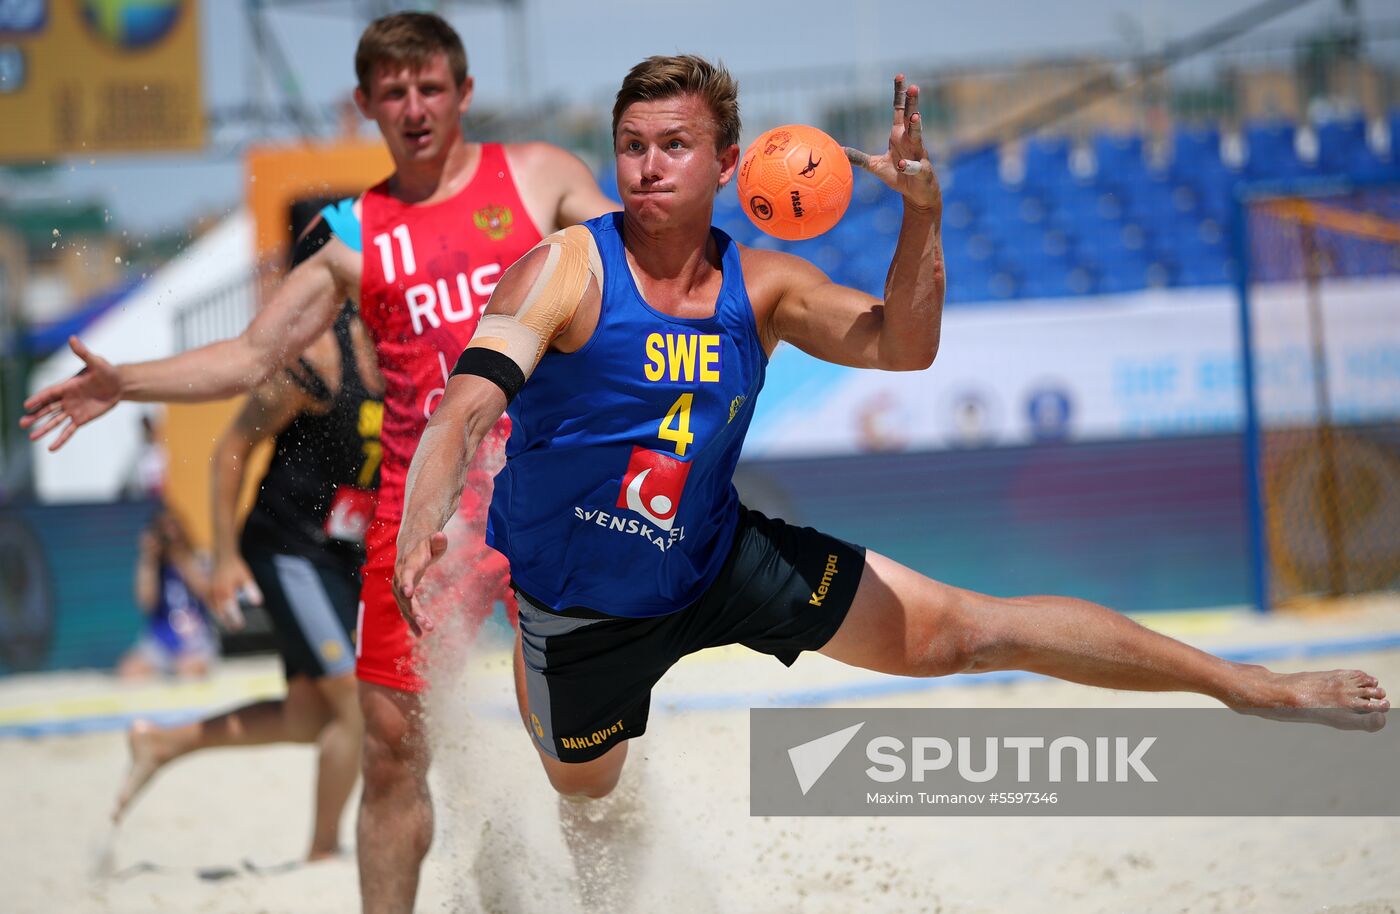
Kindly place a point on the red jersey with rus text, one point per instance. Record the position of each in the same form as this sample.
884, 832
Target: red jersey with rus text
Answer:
428, 273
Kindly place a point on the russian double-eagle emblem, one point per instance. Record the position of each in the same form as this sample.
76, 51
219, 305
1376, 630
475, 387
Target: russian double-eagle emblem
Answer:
495, 221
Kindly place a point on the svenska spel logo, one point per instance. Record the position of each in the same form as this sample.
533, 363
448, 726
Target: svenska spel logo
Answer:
131, 25
652, 486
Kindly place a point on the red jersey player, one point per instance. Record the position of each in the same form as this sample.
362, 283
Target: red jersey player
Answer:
421, 253
427, 273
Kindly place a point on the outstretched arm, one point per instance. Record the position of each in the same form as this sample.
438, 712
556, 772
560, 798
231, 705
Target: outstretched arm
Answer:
302, 308
469, 407
844, 325
532, 307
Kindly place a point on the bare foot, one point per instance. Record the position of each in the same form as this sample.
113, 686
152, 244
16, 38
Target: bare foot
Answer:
316, 854
1345, 699
143, 739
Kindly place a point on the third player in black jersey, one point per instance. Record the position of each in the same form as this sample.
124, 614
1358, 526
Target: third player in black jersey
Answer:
299, 556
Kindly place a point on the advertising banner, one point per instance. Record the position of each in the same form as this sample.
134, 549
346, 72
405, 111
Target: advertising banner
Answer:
1146, 365
96, 76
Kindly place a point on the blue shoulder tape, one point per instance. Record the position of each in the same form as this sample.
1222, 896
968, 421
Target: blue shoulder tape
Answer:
344, 223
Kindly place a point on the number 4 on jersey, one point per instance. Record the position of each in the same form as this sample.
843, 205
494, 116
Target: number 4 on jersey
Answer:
676, 426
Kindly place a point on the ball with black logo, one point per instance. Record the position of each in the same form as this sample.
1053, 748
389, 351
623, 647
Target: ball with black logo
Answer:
795, 182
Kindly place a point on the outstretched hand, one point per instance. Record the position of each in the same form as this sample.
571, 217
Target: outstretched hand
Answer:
412, 564
75, 402
905, 167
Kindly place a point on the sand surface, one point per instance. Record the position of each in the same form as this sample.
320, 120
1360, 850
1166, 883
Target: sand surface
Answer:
188, 844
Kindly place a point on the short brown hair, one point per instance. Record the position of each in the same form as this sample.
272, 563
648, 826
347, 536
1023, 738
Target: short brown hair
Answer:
685, 74
408, 39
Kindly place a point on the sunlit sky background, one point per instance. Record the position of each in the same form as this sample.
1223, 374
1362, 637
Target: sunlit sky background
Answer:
578, 51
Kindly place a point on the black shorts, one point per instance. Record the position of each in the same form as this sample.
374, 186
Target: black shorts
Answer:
313, 606
783, 590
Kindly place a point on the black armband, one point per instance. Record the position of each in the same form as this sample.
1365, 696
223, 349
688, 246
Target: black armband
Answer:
496, 367
317, 235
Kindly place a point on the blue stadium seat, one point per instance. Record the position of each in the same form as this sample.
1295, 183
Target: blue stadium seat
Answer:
957, 213
727, 205
1119, 157
1216, 194
868, 190
986, 196
972, 286
1055, 279
858, 222
1151, 199
1269, 141
1343, 149
866, 266
1272, 154
1047, 161
1001, 219
607, 183
1068, 191
1393, 123
1340, 143
738, 226
973, 170
830, 258
1137, 236
1122, 274
1030, 246
1110, 203
1195, 150
1125, 228
966, 246
1171, 236
1204, 271
1186, 198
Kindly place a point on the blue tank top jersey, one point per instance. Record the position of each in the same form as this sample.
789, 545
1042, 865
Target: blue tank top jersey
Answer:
618, 493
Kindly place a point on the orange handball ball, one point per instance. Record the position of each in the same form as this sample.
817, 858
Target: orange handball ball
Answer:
795, 182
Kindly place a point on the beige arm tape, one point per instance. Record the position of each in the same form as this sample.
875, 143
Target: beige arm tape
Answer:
550, 304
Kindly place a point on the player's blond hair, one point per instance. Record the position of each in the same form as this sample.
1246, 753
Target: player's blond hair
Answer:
408, 40
684, 74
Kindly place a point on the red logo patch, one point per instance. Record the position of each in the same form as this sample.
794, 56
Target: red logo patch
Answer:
652, 486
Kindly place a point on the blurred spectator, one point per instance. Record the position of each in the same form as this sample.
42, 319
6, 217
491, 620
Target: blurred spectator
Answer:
882, 424
172, 585
147, 477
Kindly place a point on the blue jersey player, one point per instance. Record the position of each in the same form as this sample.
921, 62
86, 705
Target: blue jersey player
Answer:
629, 353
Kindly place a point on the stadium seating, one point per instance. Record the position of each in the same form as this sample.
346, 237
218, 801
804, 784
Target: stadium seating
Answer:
1128, 224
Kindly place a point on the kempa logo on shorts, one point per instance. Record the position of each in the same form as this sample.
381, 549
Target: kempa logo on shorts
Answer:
596, 738
819, 595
